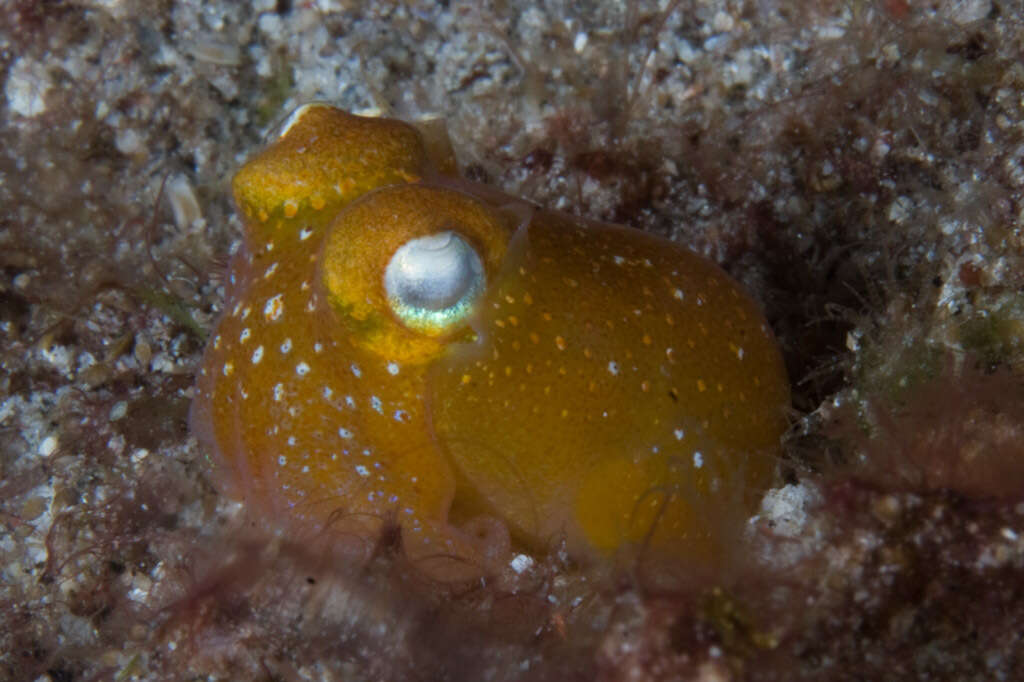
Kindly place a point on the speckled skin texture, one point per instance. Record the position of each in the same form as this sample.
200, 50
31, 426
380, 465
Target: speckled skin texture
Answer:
608, 388
619, 385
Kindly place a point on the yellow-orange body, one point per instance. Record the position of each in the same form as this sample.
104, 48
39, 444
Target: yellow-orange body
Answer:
608, 387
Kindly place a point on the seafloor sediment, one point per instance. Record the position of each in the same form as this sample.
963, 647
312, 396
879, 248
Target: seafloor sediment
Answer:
859, 166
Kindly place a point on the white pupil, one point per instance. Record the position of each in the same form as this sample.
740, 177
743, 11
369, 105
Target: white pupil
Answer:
433, 273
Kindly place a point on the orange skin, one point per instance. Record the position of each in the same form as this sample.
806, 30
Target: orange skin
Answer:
608, 388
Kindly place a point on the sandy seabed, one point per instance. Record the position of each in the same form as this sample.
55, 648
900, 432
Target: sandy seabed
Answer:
859, 166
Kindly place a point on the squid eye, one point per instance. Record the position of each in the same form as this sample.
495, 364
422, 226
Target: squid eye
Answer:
433, 281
